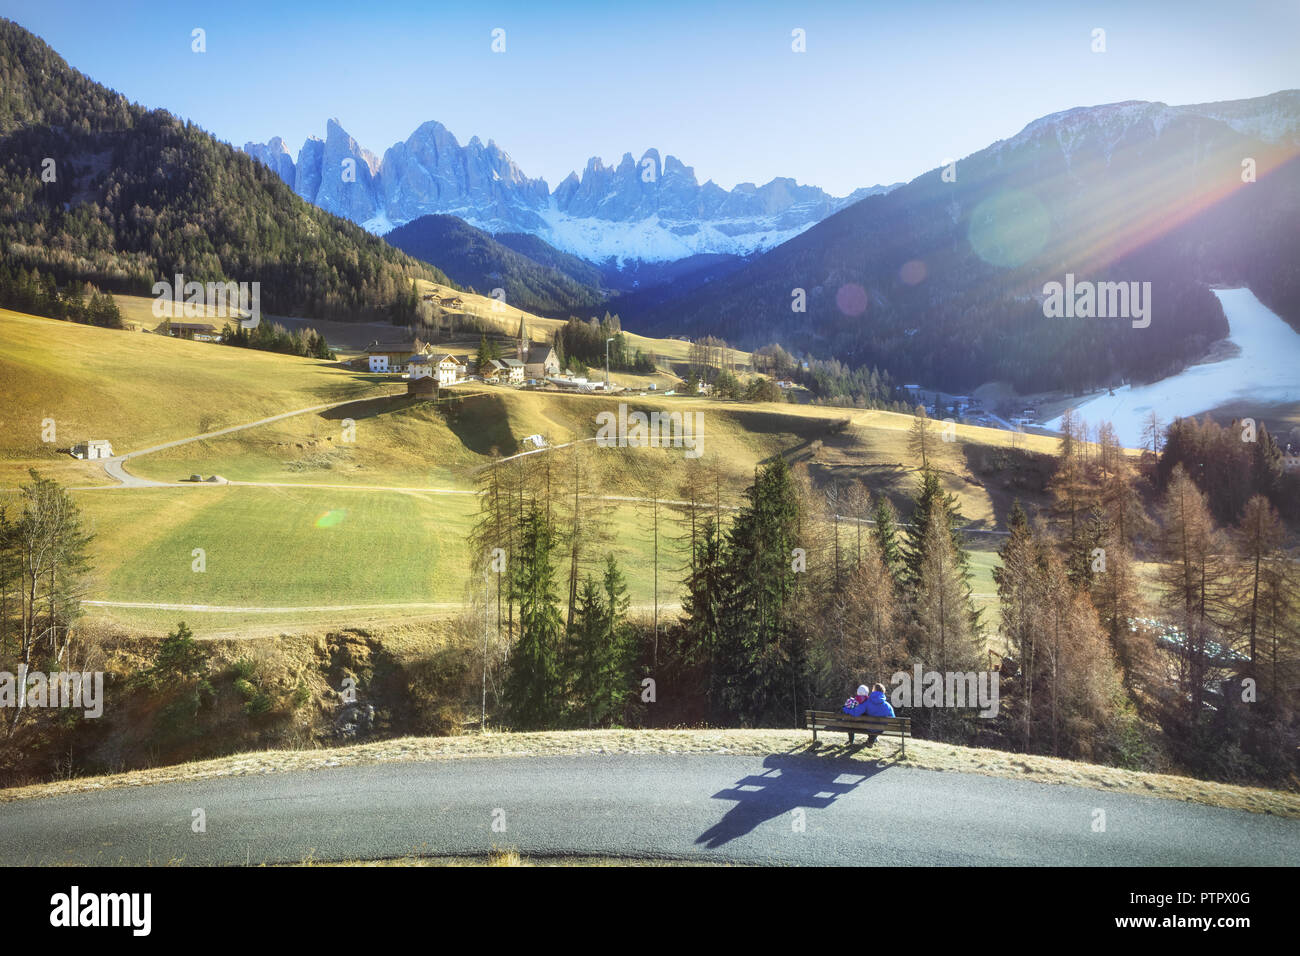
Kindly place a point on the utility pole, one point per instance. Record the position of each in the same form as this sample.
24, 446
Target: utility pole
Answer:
607, 341
655, 658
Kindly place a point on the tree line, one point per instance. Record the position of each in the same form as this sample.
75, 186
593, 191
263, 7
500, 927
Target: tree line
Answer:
1128, 626
1118, 616
27, 290
274, 337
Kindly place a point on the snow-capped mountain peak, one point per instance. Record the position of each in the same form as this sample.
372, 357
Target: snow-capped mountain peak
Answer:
652, 208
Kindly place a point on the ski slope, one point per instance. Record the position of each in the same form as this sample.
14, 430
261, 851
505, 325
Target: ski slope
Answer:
1266, 370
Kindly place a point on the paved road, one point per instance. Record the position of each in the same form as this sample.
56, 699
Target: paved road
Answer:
115, 467
718, 808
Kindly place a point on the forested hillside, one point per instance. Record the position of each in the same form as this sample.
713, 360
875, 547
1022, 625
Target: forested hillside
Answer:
941, 280
96, 189
471, 257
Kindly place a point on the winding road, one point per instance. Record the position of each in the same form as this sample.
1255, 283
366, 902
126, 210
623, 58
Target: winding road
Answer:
779, 809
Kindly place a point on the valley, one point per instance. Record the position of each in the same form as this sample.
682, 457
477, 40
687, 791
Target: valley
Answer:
385, 515
379, 525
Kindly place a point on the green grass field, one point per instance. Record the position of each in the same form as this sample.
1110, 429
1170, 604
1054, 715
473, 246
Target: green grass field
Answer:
346, 533
138, 389
268, 549
280, 552
274, 546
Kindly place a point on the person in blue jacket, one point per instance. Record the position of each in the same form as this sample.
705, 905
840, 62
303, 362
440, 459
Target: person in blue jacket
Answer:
871, 703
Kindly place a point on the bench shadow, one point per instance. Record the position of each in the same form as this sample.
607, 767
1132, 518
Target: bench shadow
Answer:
811, 779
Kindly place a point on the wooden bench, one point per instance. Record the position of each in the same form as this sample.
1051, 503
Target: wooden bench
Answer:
837, 720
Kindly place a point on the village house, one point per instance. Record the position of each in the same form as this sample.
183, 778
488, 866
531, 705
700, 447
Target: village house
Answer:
420, 379
504, 372
450, 371
394, 356
95, 448
198, 331
514, 371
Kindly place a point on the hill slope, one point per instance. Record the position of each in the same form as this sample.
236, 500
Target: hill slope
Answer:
471, 257
941, 280
347, 508
139, 196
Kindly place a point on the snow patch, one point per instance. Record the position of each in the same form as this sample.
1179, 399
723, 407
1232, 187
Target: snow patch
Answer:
1266, 370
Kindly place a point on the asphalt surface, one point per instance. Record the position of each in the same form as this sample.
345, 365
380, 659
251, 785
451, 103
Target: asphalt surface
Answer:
778, 810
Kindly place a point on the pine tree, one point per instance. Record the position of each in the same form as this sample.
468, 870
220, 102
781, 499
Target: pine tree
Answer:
534, 686
487, 351
944, 637
1193, 578
1018, 603
760, 659
604, 646
932, 505
51, 548
865, 639
886, 535
1075, 497
1258, 538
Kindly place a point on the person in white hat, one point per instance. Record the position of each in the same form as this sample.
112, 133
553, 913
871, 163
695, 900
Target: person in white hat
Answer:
856, 705
869, 702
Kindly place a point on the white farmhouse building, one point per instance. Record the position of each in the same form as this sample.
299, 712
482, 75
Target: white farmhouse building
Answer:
96, 448
419, 366
450, 371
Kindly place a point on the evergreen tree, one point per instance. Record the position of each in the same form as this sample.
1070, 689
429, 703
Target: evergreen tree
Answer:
932, 505
886, 535
534, 686
1018, 604
603, 647
760, 661
487, 351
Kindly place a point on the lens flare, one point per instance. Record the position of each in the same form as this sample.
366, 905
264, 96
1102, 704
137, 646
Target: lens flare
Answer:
1009, 229
912, 272
332, 518
851, 299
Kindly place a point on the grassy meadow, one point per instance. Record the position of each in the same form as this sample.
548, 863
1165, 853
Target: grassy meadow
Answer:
368, 507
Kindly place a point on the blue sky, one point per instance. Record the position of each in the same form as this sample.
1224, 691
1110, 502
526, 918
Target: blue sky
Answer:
884, 91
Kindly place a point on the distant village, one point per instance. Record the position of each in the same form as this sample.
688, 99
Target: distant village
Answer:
428, 368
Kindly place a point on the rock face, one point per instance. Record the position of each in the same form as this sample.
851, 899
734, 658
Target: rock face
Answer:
274, 154
347, 185
432, 173
307, 174
651, 209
